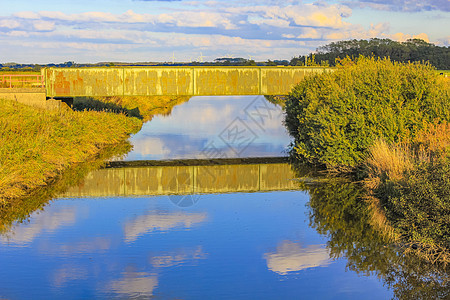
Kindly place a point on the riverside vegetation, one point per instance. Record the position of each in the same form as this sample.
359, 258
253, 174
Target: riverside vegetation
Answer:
38, 145
385, 123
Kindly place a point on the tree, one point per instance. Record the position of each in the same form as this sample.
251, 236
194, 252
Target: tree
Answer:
413, 50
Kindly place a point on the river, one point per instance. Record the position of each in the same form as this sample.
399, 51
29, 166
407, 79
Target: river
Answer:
204, 207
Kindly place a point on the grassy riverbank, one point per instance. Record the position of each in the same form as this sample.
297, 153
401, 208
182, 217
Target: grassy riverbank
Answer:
36, 145
386, 122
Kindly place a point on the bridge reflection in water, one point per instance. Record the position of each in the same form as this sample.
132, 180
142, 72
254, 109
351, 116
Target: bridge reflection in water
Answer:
188, 177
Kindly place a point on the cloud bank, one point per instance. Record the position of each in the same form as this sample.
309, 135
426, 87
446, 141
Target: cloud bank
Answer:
262, 29
402, 5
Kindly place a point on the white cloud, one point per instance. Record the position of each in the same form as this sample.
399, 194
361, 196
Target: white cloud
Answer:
88, 245
177, 257
300, 15
151, 146
10, 24
27, 15
310, 33
401, 5
401, 37
264, 29
68, 273
358, 32
43, 25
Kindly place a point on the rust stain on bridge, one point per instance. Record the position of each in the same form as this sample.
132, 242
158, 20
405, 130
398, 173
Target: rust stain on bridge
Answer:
176, 81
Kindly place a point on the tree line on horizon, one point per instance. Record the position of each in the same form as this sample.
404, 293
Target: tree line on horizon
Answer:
412, 50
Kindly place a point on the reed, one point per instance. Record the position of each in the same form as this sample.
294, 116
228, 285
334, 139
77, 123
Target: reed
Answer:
388, 161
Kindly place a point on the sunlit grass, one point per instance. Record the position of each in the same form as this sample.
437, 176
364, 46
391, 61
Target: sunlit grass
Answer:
391, 162
387, 161
35, 144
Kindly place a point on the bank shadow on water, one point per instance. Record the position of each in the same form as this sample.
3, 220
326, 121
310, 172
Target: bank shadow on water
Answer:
141, 107
19, 210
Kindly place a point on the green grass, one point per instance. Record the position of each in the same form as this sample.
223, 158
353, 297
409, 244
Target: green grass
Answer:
36, 145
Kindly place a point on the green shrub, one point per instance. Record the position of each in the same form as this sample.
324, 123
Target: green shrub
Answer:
336, 116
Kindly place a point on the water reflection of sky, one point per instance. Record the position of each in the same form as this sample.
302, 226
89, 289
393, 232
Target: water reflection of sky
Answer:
225, 246
212, 127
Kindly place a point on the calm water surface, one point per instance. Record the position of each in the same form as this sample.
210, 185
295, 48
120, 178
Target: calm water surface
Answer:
251, 234
214, 127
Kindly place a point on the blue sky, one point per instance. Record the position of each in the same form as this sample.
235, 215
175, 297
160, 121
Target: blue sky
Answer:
136, 30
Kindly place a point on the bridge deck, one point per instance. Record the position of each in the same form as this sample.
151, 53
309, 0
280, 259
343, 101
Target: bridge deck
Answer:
176, 81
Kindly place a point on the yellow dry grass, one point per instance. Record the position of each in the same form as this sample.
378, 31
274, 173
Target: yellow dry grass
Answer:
434, 138
388, 161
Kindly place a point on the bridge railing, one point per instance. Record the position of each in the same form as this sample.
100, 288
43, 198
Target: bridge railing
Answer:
22, 81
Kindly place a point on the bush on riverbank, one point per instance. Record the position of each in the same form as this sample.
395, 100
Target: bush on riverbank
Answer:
335, 117
35, 144
389, 121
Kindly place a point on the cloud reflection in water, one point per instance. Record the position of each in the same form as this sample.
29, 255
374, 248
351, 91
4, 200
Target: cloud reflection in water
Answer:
134, 284
194, 126
291, 257
160, 221
41, 221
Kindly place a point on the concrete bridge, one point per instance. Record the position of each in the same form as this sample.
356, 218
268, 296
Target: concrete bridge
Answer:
184, 180
173, 81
